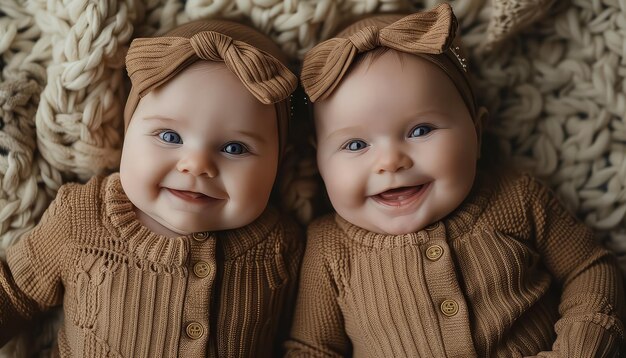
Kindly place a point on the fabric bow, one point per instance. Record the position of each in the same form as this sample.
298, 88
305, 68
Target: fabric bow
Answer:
153, 61
429, 32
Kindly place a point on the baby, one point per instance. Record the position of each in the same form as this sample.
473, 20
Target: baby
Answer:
178, 254
426, 256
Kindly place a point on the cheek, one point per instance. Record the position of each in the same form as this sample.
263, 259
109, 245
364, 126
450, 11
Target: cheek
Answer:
464, 158
249, 182
456, 166
131, 184
141, 172
345, 183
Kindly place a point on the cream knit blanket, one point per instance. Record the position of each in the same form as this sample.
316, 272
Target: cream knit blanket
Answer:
554, 85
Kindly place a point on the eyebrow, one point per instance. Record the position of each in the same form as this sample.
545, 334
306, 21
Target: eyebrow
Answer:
339, 132
429, 112
252, 135
159, 118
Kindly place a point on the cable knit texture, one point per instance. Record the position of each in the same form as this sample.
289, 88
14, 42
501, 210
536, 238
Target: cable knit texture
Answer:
127, 292
483, 282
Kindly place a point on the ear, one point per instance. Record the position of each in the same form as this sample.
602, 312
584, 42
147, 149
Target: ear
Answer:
480, 122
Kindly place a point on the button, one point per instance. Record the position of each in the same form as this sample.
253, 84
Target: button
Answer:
194, 330
202, 269
434, 252
200, 236
449, 308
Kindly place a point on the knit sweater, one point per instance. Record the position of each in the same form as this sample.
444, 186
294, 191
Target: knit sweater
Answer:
509, 273
128, 292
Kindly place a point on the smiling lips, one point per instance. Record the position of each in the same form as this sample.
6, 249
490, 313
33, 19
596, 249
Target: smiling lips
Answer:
192, 196
399, 197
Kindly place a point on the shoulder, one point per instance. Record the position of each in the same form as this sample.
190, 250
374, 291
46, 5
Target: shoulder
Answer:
74, 197
322, 222
81, 195
61, 224
89, 204
505, 183
326, 238
518, 200
507, 188
523, 189
505, 199
324, 228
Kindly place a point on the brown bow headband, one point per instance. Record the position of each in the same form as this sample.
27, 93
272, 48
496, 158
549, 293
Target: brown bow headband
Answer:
428, 34
153, 61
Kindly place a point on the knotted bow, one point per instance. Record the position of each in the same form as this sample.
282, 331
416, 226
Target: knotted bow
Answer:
153, 61
429, 32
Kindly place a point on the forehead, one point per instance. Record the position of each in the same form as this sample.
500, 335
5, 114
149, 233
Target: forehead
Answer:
207, 91
387, 85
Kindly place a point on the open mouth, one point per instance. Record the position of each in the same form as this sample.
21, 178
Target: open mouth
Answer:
192, 196
400, 196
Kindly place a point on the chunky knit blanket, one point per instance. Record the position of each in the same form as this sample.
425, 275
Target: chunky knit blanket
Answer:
551, 72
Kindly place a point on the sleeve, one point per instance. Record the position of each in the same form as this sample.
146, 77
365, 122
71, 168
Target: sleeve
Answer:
16, 309
30, 282
318, 326
592, 297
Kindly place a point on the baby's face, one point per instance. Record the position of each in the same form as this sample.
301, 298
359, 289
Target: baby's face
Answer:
200, 153
397, 147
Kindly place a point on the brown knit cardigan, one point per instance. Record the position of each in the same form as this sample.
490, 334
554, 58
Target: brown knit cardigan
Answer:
508, 274
128, 292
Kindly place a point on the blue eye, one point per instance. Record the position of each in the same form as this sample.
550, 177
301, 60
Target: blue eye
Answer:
235, 148
419, 131
355, 145
170, 137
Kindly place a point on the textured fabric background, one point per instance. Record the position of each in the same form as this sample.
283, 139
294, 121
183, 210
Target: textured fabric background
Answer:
551, 73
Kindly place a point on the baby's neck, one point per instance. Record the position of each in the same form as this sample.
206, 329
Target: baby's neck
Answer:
153, 225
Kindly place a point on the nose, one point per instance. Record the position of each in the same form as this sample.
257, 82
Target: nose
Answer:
392, 159
197, 163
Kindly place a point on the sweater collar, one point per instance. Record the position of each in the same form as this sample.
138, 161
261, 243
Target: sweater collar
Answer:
458, 223
153, 247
